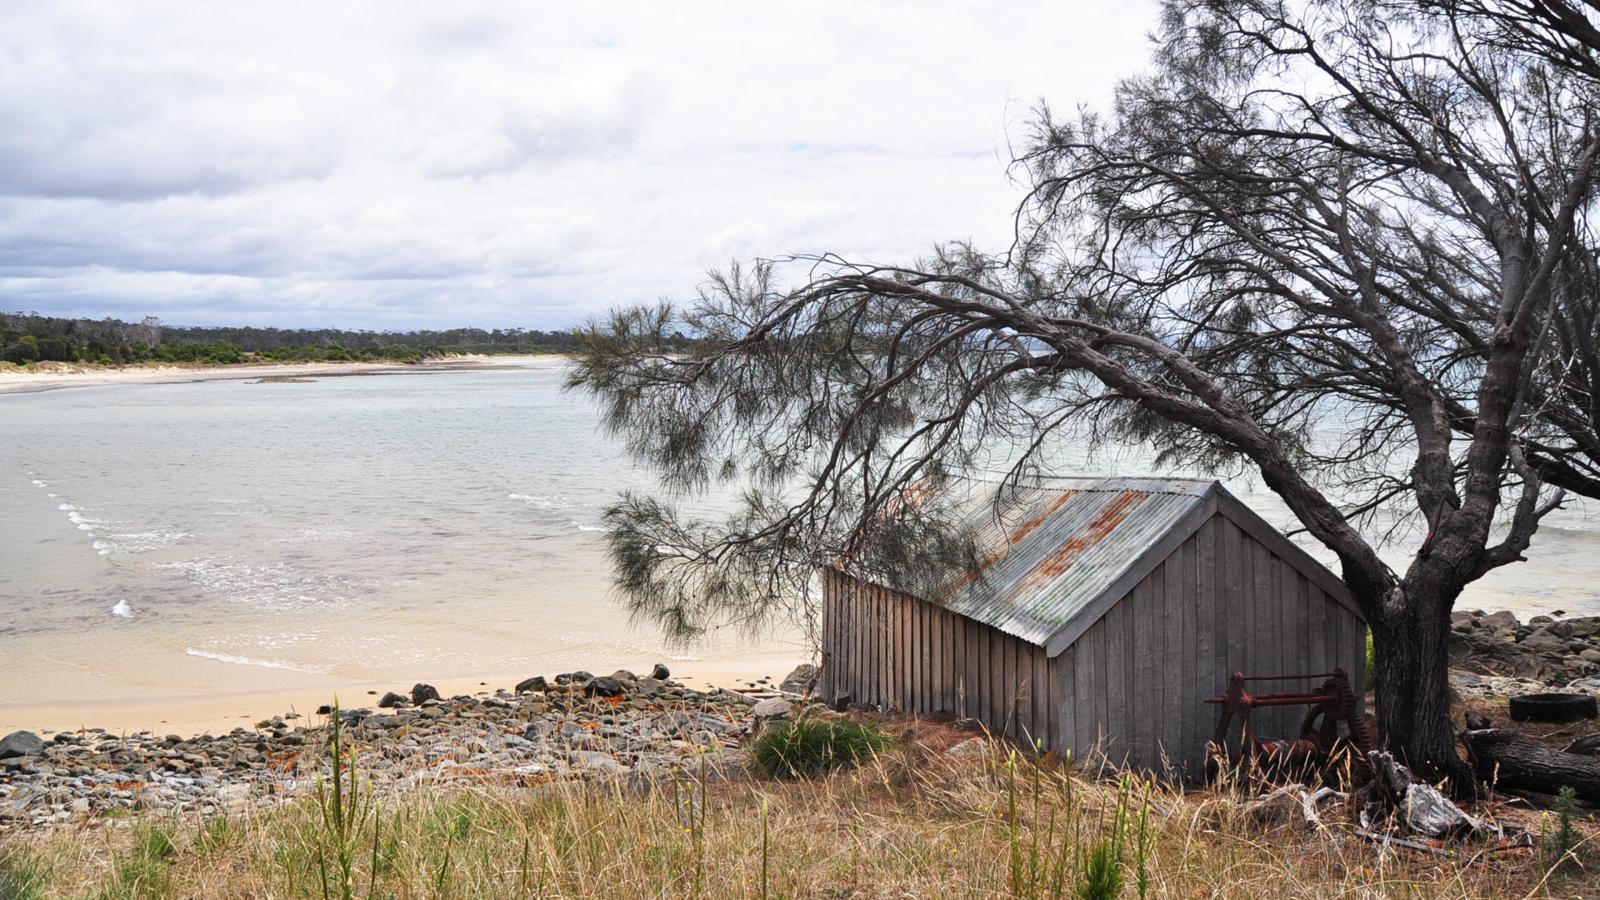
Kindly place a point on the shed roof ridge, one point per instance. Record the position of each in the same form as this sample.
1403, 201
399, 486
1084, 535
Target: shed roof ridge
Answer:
1146, 483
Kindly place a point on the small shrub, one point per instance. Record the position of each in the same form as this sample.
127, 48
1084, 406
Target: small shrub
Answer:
1102, 873
1560, 843
807, 747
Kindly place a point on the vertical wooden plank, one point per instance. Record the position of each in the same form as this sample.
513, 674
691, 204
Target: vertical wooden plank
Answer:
970, 669
1263, 632
1065, 706
973, 671
1149, 679
919, 655
908, 669
1233, 602
902, 649
1083, 690
880, 674
946, 670
1174, 688
1116, 684
846, 632
1039, 679
930, 666
925, 664
1204, 664
1317, 628
1008, 647
913, 664
993, 711
830, 639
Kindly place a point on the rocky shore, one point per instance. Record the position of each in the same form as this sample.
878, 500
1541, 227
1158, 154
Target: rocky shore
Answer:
574, 725
1551, 651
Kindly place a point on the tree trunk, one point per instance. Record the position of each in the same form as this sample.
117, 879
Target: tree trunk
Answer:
1411, 646
1516, 763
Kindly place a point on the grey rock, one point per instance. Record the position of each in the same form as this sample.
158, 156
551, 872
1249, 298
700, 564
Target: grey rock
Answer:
660, 672
1501, 619
20, 743
536, 684
595, 761
578, 677
422, 693
772, 708
800, 680
603, 686
391, 700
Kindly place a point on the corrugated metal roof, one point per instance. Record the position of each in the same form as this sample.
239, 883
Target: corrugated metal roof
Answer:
1048, 549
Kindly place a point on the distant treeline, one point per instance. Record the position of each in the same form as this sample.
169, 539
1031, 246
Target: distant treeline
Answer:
30, 337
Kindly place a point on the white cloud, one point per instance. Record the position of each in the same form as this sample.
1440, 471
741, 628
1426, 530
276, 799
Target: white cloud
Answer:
395, 165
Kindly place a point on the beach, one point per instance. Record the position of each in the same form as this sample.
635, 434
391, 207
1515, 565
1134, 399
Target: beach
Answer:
58, 376
196, 548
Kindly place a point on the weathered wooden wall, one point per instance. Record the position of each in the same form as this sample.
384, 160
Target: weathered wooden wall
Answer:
904, 654
1135, 682
1132, 685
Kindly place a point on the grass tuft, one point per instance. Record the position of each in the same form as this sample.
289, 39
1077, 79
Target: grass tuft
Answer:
22, 877
807, 747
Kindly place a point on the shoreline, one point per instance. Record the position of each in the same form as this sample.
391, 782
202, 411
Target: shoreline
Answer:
191, 715
65, 375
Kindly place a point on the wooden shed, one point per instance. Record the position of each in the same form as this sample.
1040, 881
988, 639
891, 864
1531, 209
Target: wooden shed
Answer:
1102, 614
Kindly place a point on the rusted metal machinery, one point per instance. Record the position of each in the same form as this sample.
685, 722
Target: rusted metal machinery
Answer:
1319, 741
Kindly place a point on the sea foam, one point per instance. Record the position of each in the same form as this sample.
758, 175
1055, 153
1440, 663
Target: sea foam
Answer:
122, 609
248, 661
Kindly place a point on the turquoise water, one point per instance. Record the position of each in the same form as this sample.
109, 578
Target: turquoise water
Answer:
180, 539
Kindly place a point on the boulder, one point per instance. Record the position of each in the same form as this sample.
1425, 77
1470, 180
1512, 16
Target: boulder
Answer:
800, 680
624, 676
536, 684
604, 686
1500, 620
772, 708
660, 672
422, 693
578, 677
20, 743
391, 700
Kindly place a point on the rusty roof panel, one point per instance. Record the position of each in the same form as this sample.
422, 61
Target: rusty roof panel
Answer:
1048, 550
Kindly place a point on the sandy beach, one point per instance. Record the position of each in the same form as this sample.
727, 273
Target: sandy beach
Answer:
218, 713
57, 376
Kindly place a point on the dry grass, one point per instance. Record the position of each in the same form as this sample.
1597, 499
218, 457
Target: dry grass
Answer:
910, 823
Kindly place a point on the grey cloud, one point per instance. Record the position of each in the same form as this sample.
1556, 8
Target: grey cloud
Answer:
370, 164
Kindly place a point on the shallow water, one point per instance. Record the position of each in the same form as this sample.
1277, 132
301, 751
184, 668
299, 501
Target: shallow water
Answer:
227, 536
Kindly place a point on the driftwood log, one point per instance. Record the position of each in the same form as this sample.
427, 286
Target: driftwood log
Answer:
1506, 760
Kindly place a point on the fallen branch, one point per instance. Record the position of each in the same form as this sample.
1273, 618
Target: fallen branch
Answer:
1508, 761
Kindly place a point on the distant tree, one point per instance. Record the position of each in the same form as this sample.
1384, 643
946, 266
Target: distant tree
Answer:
24, 350
1310, 217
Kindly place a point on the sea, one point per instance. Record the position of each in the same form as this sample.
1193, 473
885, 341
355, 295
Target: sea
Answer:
234, 536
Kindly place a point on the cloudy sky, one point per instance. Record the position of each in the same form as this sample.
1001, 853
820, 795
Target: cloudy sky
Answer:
400, 165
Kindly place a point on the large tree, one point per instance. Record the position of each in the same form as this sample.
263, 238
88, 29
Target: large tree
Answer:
1332, 242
